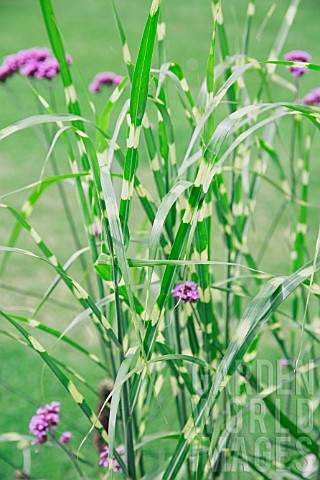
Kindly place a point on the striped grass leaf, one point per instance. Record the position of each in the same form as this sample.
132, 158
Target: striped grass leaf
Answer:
168, 357
29, 205
125, 49
251, 9
257, 313
118, 240
138, 101
210, 80
109, 299
33, 323
166, 141
57, 47
173, 71
156, 437
88, 221
216, 6
143, 194
283, 32
175, 362
274, 156
161, 36
113, 142
214, 104
162, 213
103, 122
15, 437
299, 235
203, 229
115, 402
104, 261
154, 160
36, 120
57, 280
78, 291
146, 127
66, 382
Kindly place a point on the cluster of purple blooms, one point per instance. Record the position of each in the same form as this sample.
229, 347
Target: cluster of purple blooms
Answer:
297, 56
187, 292
46, 419
34, 62
104, 78
313, 97
104, 458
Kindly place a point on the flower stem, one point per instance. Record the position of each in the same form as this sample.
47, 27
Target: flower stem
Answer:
72, 458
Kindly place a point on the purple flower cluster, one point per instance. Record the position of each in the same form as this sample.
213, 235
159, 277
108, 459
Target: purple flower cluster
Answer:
313, 97
187, 292
297, 56
104, 78
35, 62
104, 458
46, 419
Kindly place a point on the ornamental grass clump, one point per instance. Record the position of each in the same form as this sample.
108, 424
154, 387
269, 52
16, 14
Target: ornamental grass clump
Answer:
185, 282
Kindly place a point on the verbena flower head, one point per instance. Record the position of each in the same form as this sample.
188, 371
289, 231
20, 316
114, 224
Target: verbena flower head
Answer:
46, 418
18, 60
104, 458
65, 438
104, 78
34, 62
284, 362
187, 292
313, 97
297, 56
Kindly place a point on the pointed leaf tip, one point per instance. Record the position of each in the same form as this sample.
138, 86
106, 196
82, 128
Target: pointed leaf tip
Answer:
154, 7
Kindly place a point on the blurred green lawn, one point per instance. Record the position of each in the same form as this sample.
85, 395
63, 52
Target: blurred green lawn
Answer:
90, 36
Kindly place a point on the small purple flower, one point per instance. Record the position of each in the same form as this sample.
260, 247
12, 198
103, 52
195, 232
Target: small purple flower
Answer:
18, 60
49, 68
284, 362
65, 438
297, 56
104, 458
187, 292
12, 62
313, 97
46, 418
30, 68
104, 78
